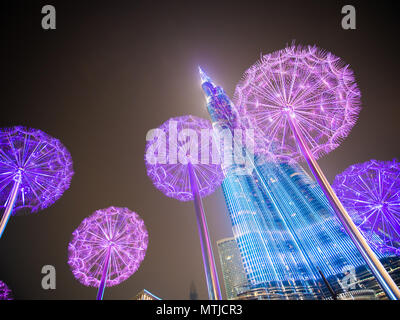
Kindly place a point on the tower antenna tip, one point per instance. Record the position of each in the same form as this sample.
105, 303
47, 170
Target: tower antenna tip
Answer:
203, 75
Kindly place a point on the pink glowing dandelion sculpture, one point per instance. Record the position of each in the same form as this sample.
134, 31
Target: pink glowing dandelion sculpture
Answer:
306, 86
179, 143
179, 162
35, 170
5, 292
301, 102
107, 248
370, 191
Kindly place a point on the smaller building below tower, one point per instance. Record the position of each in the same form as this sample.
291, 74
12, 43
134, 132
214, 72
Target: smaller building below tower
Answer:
146, 295
235, 279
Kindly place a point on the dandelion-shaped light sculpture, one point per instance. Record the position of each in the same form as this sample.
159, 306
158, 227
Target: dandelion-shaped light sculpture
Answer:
5, 292
301, 102
370, 192
107, 248
180, 164
35, 170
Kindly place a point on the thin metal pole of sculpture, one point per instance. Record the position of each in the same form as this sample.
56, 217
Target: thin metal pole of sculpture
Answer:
10, 203
379, 271
104, 276
214, 290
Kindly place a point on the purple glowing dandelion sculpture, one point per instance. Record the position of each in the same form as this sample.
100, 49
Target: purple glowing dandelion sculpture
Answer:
35, 170
370, 192
303, 85
301, 102
107, 248
179, 162
5, 292
178, 140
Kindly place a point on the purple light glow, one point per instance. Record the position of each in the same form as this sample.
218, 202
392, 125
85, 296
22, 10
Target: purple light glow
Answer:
370, 191
117, 231
44, 164
307, 84
5, 292
173, 179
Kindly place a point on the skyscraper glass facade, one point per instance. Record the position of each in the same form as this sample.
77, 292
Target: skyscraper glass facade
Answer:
285, 229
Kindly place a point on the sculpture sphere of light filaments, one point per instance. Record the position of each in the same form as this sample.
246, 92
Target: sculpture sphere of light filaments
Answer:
107, 248
180, 142
180, 164
35, 170
5, 292
308, 86
301, 102
370, 191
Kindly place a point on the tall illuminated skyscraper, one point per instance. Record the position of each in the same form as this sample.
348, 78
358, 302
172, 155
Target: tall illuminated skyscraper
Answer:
284, 226
235, 279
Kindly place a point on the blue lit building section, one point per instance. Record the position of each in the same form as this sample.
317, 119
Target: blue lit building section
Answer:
284, 226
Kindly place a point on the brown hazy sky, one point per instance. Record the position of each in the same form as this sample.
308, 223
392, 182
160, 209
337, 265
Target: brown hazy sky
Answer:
112, 70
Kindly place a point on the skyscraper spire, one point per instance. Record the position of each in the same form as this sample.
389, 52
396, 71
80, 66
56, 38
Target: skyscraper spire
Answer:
203, 76
219, 105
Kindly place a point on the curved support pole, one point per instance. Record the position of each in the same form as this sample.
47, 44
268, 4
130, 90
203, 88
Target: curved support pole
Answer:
214, 290
10, 203
379, 271
104, 276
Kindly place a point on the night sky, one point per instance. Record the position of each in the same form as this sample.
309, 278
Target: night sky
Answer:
112, 70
